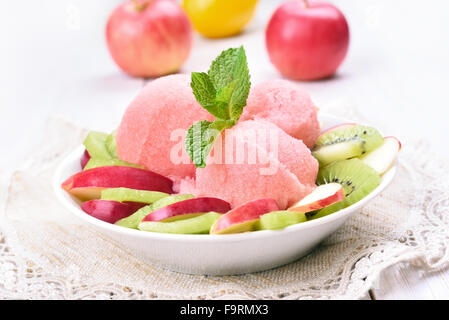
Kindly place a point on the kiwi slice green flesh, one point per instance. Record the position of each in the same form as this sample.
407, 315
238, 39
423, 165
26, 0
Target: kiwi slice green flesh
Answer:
95, 144
280, 219
170, 200
357, 178
345, 143
196, 225
339, 151
126, 194
111, 145
95, 163
133, 220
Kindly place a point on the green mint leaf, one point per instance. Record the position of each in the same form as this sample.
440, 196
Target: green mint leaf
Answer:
223, 92
205, 93
200, 139
229, 98
230, 76
194, 142
220, 125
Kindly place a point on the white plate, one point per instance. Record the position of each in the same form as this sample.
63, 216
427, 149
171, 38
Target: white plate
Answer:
218, 254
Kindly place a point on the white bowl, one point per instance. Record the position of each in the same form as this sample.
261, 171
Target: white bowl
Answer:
218, 254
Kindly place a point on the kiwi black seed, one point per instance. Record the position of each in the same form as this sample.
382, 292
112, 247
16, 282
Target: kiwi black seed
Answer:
357, 179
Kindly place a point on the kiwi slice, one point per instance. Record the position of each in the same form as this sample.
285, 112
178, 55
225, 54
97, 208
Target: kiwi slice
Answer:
111, 145
357, 178
170, 200
95, 144
133, 220
280, 219
95, 162
346, 143
196, 225
132, 195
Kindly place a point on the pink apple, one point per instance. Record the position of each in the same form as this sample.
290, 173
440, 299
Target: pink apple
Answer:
244, 217
149, 38
88, 184
188, 208
399, 144
307, 40
321, 197
382, 158
84, 159
110, 211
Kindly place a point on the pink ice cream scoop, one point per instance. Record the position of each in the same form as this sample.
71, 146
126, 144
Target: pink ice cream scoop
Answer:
153, 127
286, 105
253, 160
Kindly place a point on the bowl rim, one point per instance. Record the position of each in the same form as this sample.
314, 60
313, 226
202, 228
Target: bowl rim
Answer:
69, 203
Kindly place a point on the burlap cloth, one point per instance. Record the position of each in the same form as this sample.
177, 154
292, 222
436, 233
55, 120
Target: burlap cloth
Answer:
46, 253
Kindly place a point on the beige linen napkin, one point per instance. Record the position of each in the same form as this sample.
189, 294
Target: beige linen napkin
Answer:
46, 253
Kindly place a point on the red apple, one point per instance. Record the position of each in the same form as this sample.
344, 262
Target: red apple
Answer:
307, 40
149, 38
188, 208
88, 184
321, 197
244, 217
382, 158
84, 159
110, 211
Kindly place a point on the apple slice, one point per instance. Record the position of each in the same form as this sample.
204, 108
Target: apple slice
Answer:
188, 208
196, 225
323, 196
382, 158
243, 218
280, 219
84, 159
88, 184
133, 220
110, 211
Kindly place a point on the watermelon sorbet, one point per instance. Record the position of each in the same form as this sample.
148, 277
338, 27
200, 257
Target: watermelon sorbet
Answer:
265, 155
150, 125
287, 105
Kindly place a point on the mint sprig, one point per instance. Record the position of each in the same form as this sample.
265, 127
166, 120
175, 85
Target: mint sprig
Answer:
222, 91
200, 139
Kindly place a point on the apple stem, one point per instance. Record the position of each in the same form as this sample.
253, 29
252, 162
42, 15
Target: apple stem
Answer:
139, 5
306, 3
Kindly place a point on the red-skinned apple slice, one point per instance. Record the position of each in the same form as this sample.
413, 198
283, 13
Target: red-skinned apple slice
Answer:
382, 158
88, 184
188, 208
244, 217
323, 196
110, 211
84, 159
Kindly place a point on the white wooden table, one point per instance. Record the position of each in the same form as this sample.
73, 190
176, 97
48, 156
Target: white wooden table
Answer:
54, 61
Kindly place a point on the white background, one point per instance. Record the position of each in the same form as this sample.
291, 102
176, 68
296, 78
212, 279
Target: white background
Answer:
54, 62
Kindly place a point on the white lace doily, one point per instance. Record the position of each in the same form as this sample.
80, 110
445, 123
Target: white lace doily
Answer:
46, 254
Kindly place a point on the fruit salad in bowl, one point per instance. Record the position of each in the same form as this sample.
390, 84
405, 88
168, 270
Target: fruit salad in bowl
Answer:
207, 175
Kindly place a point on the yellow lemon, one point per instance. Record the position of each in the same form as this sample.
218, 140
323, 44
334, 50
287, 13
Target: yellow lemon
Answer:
219, 18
